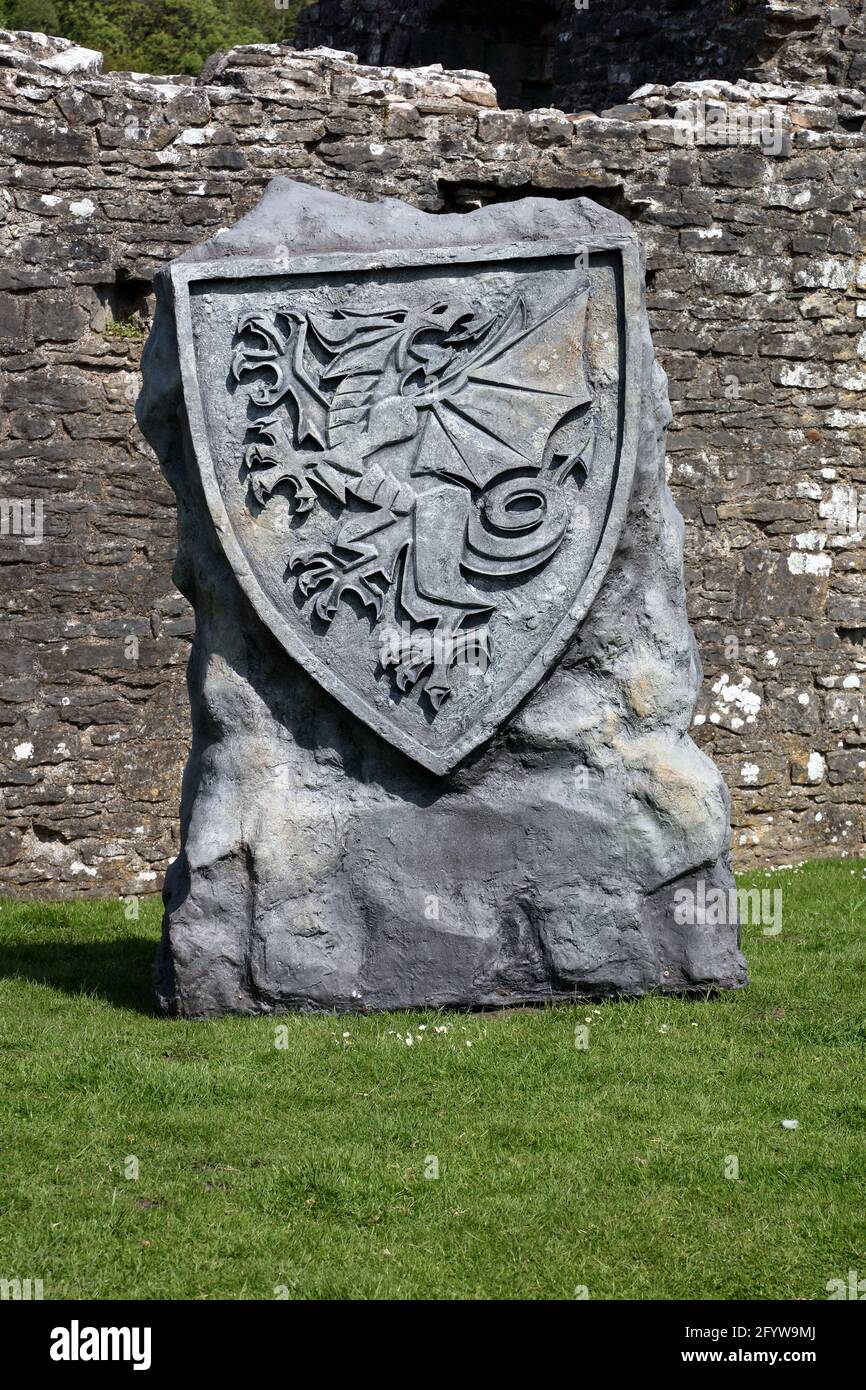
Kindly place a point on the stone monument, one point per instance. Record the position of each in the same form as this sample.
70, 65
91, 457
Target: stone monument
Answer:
442, 675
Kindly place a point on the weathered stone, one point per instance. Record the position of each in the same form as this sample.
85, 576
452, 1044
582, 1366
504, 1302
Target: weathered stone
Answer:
57, 317
15, 334
377, 828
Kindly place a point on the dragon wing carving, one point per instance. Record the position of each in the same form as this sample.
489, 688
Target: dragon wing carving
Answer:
496, 410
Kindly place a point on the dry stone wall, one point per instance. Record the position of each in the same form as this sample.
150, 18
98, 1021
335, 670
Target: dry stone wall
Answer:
751, 201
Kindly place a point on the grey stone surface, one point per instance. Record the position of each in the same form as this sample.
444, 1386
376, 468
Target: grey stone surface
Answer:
323, 865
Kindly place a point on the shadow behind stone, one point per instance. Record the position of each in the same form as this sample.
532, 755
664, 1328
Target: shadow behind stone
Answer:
120, 972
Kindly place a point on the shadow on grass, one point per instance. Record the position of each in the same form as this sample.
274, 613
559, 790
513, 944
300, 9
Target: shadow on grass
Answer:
120, 972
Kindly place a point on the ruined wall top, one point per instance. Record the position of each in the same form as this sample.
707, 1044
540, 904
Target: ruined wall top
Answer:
590, 54
35, 65
775, 41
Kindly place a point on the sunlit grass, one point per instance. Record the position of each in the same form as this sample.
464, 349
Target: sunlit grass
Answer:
309, 1167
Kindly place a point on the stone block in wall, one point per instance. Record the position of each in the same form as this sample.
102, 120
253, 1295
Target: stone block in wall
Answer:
808, 767
15, 328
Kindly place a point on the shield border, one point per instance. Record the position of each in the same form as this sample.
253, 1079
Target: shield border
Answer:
494, 715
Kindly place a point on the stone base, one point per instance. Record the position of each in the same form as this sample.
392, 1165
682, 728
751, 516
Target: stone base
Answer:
455, 903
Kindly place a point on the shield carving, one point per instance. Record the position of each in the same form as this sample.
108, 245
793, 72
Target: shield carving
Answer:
417, 464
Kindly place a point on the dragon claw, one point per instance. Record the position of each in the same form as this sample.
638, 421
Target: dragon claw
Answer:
308, 557
308, 583
407, 673
316, 569
328, 601
437, 695
326, 604
262, 485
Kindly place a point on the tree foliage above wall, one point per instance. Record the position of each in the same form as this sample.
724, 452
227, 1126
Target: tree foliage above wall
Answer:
159, 36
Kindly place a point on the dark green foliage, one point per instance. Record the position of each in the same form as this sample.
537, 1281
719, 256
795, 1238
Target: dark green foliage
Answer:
159, 36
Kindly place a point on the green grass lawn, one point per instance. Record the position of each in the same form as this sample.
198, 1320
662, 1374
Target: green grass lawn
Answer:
304, 1166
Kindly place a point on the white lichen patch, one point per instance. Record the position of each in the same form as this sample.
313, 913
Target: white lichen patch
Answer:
810, 540
735, 699
820, 564
76, 867
816, 768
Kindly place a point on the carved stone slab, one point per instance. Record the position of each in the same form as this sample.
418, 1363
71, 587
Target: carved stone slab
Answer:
417, 464
442, 677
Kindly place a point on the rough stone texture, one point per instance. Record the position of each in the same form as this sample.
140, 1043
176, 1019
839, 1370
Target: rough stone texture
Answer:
588, 55
757, 301
320, 866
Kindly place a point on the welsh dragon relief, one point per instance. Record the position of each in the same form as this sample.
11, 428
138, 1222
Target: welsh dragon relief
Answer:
435, 568
431, 431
